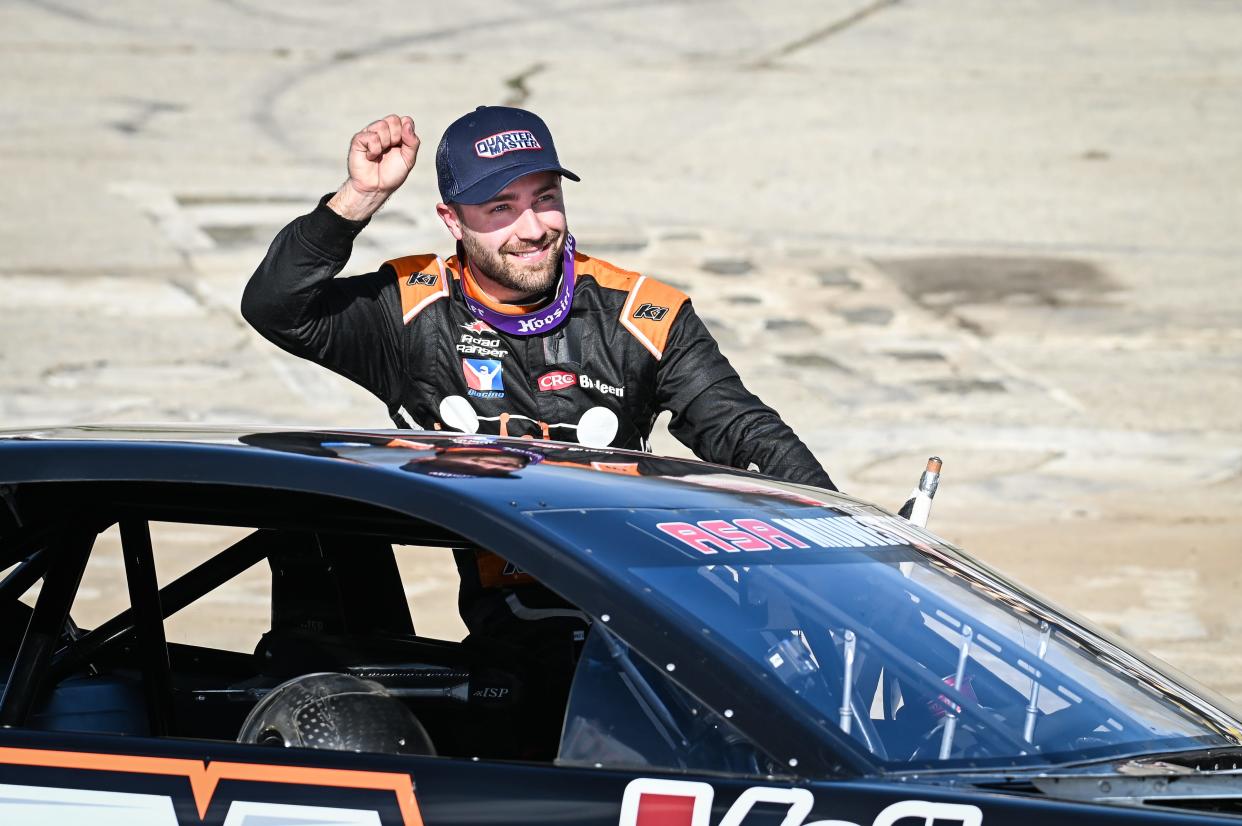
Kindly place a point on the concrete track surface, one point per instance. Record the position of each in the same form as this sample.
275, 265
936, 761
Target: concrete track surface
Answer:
1005, 233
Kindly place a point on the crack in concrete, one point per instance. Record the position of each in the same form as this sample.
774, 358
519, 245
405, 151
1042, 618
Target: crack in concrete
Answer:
518, 91
144, 112
835, 27
78, 16
862, 240
263, 112
249, 10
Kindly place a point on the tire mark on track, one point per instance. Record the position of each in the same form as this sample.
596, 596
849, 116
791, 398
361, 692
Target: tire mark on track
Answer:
79, 16
263, 112
835, 27
518, 91
264, 14
648, 40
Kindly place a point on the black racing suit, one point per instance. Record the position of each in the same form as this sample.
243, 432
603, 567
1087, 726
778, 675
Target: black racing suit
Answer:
631, 348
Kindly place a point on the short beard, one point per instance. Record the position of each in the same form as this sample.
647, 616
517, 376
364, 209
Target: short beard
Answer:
499, 267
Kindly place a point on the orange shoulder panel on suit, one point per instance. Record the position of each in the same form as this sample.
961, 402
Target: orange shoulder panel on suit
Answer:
495, 572
650, 308
422, 279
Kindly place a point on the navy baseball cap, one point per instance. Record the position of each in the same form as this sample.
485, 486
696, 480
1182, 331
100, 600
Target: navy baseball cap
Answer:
486, 150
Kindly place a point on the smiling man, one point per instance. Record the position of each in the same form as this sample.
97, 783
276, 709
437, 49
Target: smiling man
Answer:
517, 334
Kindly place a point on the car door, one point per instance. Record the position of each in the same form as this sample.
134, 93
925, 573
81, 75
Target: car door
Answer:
127, 719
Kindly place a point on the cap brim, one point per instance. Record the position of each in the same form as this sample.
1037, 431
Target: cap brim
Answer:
489, 187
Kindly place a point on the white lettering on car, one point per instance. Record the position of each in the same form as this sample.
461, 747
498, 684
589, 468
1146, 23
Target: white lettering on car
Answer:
649, 801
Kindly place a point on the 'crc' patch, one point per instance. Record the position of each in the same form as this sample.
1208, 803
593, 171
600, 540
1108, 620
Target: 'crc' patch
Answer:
557, 380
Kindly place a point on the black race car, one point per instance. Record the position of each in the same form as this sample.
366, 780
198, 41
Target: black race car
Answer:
751, 651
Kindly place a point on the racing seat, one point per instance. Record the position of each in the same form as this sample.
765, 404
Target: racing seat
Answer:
96, 703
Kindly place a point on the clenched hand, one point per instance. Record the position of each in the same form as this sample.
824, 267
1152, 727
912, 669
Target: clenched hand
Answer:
380, 159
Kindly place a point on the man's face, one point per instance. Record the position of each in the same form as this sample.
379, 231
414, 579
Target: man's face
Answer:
516, 238
483, 462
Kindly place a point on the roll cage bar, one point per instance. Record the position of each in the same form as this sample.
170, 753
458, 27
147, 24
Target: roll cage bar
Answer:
58, 547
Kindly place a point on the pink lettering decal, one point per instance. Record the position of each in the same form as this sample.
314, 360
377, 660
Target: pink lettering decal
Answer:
695, 537
734, 535
774, 535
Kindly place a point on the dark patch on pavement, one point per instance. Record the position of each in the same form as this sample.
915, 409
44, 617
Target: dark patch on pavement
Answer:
239, 199
682, 235
675, 283
717, 327
836, 277
393, 218
915, 355
815, 361
613, 246
235, 236
944, 282
790, 325
874, 316
728, 266
962, 387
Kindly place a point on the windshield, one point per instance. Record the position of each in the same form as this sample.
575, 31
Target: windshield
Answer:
878, 629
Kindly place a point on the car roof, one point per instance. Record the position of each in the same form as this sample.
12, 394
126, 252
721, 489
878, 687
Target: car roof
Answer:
538, 475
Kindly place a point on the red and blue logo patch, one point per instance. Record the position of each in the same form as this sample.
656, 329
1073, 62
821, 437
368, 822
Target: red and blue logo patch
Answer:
484, 378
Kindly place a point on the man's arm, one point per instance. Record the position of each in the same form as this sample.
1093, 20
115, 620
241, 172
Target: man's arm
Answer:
294, 299
718, 418
348, 325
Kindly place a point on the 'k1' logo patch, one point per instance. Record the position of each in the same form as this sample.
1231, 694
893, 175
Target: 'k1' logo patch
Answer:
484, 377
651, 311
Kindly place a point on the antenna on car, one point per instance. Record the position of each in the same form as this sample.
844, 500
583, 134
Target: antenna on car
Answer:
918, 507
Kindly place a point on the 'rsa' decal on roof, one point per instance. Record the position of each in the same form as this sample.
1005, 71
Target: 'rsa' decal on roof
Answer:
653, 802
710, 536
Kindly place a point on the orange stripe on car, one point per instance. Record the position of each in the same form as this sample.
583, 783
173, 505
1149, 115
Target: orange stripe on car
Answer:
204, 777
